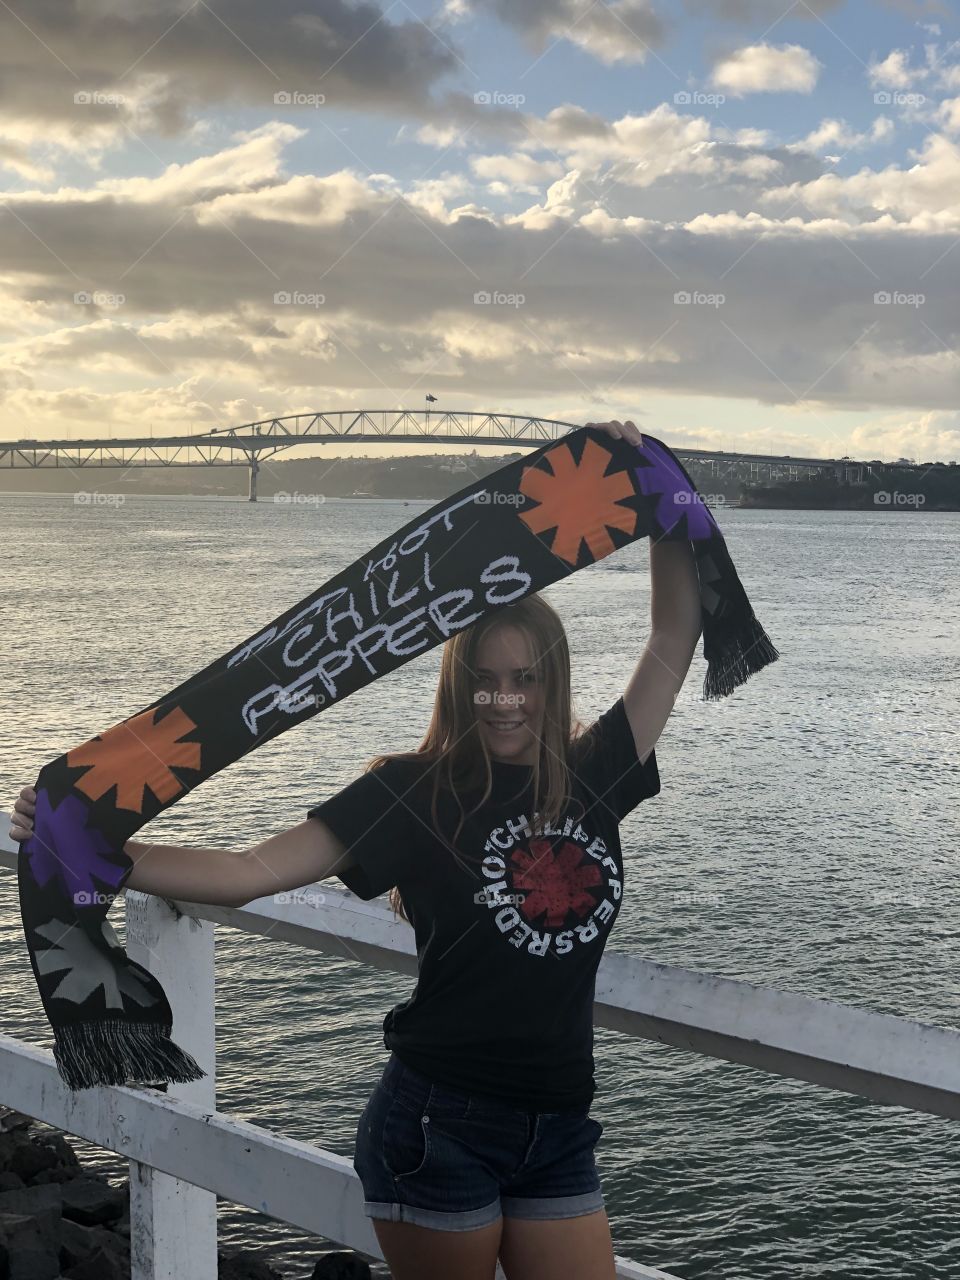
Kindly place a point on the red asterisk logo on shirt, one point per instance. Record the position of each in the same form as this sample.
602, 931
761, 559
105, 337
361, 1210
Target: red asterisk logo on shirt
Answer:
554, 883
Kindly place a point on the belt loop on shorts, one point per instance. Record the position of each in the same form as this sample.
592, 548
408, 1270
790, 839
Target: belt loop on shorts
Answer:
535, 1117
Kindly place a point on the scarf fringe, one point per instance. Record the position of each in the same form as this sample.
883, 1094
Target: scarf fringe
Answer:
740, 656
113, 1051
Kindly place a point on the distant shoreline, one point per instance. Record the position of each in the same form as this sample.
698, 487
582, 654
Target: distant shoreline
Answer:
265, 499
843, 506
744, 504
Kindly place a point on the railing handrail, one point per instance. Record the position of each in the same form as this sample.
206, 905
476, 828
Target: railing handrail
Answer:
889, 1059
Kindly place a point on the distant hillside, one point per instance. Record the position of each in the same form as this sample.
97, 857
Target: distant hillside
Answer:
430, 477
893, 489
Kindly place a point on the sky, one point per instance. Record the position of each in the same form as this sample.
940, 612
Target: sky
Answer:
733, 222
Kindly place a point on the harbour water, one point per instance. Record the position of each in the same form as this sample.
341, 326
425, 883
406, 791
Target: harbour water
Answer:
806, 837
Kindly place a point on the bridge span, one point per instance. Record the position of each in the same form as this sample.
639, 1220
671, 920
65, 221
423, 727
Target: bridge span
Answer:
247, 444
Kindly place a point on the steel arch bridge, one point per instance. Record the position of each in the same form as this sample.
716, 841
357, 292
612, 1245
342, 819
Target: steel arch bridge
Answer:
245, 445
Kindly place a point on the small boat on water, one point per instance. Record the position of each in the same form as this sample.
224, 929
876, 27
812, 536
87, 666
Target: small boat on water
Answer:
357, 493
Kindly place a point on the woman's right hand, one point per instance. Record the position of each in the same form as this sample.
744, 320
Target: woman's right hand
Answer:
22, 817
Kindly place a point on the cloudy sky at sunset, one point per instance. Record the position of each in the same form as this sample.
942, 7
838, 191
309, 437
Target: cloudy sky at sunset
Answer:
733, 221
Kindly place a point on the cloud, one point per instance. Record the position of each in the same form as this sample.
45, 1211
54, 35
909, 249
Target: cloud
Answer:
764, 68
924, 197
381, 278
256, 278
518, 173
837, 133
613, 31
15, 157
949, 114
622, 30
894, 72
928, 437
86, 76
254, 162
751, 12
684, 164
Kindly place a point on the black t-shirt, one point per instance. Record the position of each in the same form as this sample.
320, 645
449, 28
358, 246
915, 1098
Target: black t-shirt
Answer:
509, 941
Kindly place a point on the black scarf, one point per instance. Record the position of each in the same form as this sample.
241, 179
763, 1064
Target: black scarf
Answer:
529, 524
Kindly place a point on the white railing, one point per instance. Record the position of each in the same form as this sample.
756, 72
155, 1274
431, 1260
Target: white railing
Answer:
183, 1152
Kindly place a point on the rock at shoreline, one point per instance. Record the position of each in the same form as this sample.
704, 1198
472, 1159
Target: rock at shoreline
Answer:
60, 1221
245, 1264
341, 1266
42, 1203
78, 1243
31, 1252
91, 1201
99, 1265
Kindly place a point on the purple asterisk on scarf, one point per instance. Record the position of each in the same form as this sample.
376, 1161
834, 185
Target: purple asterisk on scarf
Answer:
677, 498
62, 845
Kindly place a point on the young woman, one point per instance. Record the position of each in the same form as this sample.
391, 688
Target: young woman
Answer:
498, 840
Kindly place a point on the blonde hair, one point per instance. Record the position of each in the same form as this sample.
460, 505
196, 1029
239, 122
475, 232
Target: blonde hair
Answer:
453, 743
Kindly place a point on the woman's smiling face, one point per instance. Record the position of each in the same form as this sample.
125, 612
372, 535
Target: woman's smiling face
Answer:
508, 696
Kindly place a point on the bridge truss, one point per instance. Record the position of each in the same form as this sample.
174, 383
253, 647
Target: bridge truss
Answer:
248, 444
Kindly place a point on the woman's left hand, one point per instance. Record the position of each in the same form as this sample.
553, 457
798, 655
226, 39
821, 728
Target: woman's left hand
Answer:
627, 430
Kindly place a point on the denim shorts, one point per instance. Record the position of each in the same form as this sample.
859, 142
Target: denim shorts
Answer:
429, 1154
